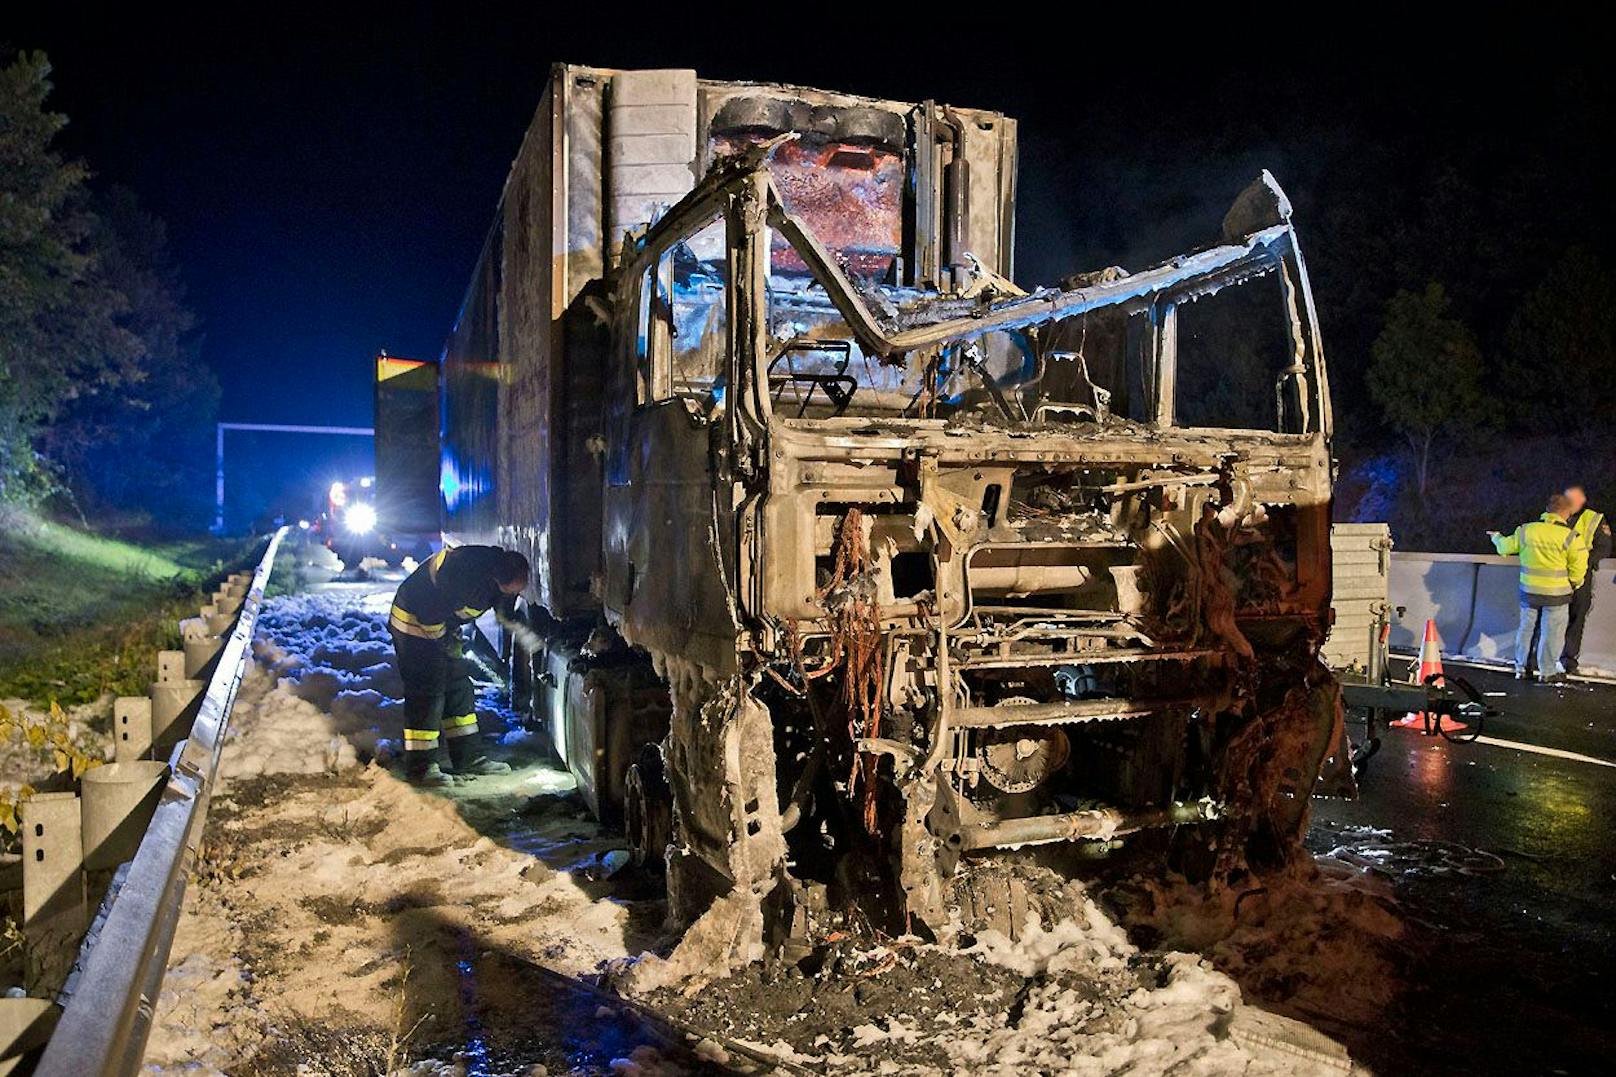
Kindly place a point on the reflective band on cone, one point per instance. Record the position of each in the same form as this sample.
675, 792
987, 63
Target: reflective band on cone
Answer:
1430, 665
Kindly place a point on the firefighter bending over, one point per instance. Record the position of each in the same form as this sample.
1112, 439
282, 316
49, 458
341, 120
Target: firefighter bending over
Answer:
430, 612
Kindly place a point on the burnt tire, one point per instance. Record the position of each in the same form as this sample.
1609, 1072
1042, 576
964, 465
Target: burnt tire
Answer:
648, 809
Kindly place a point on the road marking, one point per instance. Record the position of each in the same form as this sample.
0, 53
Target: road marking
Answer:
1558, 753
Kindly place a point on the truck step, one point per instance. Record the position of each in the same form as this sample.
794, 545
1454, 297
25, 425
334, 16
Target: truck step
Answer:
1061, 713
1095, 824
1085, 658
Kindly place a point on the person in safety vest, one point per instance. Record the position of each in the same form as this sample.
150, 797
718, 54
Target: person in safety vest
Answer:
430, 611
1593, 532
1553, 565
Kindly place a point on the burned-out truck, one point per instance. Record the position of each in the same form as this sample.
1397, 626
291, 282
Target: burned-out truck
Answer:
860, 567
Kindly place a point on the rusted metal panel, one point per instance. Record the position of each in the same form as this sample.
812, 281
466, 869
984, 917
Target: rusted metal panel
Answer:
529, 353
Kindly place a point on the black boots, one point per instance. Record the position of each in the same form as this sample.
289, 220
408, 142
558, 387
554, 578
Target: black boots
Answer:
421, 769
468, 759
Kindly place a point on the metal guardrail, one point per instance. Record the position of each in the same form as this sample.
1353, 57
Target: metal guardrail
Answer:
107, 1019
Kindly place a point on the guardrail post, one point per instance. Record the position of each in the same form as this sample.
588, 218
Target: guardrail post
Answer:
131, 727
175, 699
25, 1027
117, 805
201, 647
217, 620
53, 898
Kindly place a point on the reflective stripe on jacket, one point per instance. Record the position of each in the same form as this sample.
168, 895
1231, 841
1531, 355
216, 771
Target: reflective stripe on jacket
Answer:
402, 620
450, 588
1586, 526
1553, 562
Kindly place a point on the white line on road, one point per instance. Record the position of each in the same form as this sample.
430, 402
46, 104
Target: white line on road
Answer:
1558, 753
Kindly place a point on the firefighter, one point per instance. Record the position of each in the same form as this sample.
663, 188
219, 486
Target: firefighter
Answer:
1593, 532
430, 611
1553, 565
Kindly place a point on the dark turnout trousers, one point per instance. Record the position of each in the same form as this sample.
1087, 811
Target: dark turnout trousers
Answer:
1582, 600
440, 704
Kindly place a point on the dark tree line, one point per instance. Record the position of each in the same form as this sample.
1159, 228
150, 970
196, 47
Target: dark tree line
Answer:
105, 404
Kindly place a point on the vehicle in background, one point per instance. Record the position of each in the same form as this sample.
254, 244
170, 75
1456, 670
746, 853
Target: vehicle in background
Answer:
864, 574
394, 514
354, 526
408, 513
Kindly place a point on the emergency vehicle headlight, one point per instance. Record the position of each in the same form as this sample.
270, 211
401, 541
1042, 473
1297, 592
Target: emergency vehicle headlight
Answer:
361, 518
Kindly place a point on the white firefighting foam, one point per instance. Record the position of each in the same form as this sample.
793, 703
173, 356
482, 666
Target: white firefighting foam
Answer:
333, 898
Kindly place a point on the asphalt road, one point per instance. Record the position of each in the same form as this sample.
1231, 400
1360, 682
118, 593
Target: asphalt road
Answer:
1505, 860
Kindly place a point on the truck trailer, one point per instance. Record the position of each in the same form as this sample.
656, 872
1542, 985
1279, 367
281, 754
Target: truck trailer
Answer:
862, 569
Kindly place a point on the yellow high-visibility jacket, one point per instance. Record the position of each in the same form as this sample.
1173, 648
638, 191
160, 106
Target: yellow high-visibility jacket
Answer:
1587, 526
1553, 560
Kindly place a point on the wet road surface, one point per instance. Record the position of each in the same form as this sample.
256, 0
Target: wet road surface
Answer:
1505, 860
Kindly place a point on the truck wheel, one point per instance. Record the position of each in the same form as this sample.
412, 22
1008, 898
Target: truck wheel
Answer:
648, 809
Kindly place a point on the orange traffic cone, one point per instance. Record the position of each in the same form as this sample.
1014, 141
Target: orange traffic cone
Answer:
1430, 665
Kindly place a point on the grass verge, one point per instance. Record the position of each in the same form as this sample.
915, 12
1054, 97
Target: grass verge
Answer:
83, 614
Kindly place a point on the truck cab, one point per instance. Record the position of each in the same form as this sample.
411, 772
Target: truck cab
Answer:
1041, 607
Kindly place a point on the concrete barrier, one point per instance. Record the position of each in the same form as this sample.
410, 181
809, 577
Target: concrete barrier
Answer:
1475, 601
1437, 587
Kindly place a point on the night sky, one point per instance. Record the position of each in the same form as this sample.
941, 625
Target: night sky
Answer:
328, 178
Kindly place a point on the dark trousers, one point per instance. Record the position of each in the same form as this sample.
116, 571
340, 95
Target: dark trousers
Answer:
1582, 600
440, 704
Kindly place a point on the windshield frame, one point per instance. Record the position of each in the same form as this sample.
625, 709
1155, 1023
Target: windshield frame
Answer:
742, 190
1301, 390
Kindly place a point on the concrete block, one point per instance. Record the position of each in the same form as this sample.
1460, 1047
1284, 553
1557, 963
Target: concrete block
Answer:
668, 180
194, 628
654, 87
53, 896
225, 602
132, 726
653, 120
652, 149
116, 807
